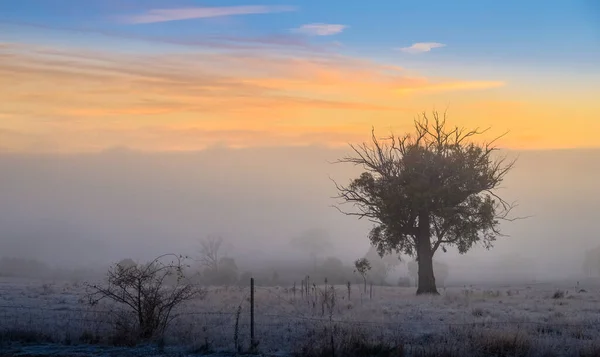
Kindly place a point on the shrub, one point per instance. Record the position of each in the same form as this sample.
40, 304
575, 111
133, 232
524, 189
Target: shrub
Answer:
148, 293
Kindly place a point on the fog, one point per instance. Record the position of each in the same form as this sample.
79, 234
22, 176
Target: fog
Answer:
88, 210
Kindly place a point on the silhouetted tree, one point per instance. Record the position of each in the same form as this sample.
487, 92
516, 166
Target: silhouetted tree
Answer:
143, 290
209, 252
428, 190
362, 266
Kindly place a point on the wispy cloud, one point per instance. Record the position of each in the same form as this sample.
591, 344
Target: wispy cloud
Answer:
251, 97
279, 41
164, 15
421, 47
320, 29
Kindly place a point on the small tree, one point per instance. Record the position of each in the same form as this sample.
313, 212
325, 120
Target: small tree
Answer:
210, 252
144, 290
428, 191
362, 267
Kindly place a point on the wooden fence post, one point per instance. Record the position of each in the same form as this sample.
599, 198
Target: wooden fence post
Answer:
252, 340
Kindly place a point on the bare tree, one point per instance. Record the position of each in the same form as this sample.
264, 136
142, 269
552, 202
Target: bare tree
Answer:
210, 252
429, 190
150, 291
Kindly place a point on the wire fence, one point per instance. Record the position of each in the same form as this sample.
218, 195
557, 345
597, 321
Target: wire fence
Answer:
273, 320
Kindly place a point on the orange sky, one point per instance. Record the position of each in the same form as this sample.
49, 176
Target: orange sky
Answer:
72, 99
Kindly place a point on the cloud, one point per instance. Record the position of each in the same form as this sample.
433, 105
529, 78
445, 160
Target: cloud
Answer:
320, 29
421, 47
290, 42
253, 97
164, 15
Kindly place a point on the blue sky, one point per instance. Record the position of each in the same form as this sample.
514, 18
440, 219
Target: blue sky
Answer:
556, 33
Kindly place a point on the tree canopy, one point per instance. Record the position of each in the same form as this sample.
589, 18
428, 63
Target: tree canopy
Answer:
427, 190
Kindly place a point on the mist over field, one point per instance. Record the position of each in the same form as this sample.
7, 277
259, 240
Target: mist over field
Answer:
90, 210
168, 178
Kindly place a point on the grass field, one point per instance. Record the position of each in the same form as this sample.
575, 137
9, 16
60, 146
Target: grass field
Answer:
529, 320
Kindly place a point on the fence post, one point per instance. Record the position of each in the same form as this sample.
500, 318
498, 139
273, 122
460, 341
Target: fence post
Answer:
349, 289
252, 341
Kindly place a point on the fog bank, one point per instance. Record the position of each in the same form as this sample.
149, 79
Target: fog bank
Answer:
90, 209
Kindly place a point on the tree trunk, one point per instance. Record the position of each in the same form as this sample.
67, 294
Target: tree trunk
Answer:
425, 257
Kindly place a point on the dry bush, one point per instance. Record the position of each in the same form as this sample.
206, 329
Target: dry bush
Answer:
147, 293
558, 294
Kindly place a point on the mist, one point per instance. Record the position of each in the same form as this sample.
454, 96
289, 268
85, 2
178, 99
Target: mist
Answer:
90, 210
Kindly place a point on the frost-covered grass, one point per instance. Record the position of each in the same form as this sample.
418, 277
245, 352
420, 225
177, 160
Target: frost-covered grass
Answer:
542, 319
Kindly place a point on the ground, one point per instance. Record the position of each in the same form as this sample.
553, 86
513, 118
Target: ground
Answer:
561, 318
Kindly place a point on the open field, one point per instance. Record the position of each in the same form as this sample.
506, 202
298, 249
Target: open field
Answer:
538, 319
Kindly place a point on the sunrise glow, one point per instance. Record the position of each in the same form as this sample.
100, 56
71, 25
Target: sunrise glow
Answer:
185, 76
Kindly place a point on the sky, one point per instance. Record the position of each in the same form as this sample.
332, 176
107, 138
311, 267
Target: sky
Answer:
131, 128
87, 76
